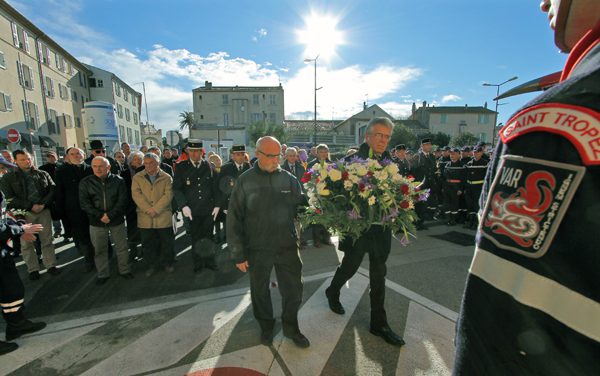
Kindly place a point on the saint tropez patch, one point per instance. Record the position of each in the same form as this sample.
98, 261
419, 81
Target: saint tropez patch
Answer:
527, 201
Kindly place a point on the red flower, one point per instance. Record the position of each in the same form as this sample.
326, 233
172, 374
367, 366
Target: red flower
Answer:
411, 177
306, 177
370, 173
404, 204
405, 189
361, 186
345, 175
318, 211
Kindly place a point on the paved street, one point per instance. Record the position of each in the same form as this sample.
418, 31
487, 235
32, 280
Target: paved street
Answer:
185, 323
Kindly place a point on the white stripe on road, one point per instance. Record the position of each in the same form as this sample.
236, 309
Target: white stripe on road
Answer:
170, 342
34, 347
322, 327
429, 348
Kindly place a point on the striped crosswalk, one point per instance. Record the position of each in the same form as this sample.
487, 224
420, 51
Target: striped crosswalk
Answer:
176, 338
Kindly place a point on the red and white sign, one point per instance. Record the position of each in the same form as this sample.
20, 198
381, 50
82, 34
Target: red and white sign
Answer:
13, 136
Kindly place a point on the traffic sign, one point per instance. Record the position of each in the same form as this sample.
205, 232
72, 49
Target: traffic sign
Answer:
172, 138
13, 136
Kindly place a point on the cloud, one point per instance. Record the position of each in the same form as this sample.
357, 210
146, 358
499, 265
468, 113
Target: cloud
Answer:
258, 34
450, 98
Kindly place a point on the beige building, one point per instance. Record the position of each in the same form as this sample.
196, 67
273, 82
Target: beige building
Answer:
42, 87
107, 87
222, 113
356, 125
454, 120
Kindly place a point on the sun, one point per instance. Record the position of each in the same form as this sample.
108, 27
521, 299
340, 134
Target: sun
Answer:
320, 35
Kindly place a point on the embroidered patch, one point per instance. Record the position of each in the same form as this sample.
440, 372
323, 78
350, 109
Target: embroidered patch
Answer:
580, 125
527, 201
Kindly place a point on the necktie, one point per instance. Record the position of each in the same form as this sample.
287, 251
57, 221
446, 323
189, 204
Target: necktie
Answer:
293, 169
240, 168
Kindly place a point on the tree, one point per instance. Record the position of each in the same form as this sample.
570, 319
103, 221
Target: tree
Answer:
440, 139
464, 139
402, 135
186, 120
260, 129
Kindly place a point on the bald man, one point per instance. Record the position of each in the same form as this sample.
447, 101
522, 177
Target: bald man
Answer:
262, 235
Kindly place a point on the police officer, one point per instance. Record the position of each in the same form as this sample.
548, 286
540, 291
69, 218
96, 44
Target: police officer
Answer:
453, 182
532, 296
423, 166
465, 155
475, 173
401, 160
196, 192
230, 171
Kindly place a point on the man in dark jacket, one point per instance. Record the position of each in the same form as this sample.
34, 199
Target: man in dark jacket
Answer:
292, 163
103, 196
424, 167
262, 236
98, 150
376, 241
401, 160
532, 296
31, 190
68, 178
50, 167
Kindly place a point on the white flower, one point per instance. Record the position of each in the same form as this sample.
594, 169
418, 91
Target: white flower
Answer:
371, 200
348, 185
353, 178
392, 169
335, 175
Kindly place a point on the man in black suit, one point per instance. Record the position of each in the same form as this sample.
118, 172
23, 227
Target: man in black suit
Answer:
230, 171
292, 163
401, 160
98, 150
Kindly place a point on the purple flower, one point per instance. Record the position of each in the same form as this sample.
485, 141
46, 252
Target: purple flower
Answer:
391, 215
385, 162
404, 241
353, 214
424, 195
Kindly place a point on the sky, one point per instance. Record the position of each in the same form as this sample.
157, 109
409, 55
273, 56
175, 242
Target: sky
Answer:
390, 53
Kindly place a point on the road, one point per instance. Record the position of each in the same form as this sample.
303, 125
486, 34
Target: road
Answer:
192, 324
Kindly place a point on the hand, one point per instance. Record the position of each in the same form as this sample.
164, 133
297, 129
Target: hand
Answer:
243, 266
215, 212
37, 208
187, 212
32, 229
105, 219
30, 238
151, 212
459, 193
225, 211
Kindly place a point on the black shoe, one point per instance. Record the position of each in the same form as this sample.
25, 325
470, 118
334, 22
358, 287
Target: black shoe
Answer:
266, 337
88, 268
388, 335
334, 301
34, 276
127, 275
6, 347
299, 340
54, 270
23, 327
101, 281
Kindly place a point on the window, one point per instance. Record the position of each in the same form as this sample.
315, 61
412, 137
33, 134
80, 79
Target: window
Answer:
482, 137
77, 122
201, 116
129, 138
52, 122
20, 37
255, 99
225, 99
137, 137
80, 77
255, 117
70, 72
483, 118
63, 92
135, 118
44, 53
121, 133
5, 103
127, 114
443, 118
225, 119
2, 60
49, 87
68, 121
32, 116
117, 90
60, 62
100, 83
272, 99
133, 99
25, 75
272, 118
120, 111
126, 95
73, 95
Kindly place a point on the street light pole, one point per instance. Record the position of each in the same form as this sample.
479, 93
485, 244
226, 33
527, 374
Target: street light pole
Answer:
315, 113
145, 100
496, 100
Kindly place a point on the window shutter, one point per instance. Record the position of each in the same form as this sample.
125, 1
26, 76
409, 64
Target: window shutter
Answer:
2, 60
44, 86
26, 41
20, 72
15, 33
30, 78
25, 111
36, 114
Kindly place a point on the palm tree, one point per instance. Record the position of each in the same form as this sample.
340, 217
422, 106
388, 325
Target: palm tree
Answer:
186, 120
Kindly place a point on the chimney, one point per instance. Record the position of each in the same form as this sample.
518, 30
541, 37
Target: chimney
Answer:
424, 104
414, 108
364, 105
466, 105
485, 104
207, 85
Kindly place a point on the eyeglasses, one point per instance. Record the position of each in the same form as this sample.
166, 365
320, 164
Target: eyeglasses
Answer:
100, 151
269, 155
381, 135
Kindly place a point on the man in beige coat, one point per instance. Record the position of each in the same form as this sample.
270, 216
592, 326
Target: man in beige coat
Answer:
152, 192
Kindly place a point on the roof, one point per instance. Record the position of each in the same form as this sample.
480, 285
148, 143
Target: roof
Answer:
238, 88
23, 21
412, 124
366, 114
456, 110
92, 68
307, 126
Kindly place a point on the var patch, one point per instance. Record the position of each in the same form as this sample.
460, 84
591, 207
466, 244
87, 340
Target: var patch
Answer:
526, 203
580, 125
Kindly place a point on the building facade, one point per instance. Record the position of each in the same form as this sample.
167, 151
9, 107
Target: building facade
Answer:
107, 87
356, 125
42, 87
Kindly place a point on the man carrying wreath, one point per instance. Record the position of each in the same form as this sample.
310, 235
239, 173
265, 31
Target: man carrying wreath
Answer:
376, 241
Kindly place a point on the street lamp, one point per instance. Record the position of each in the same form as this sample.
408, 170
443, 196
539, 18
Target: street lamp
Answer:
315, 61
497, 94
145, 100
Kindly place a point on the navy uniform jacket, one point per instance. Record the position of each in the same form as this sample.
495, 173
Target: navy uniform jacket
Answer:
298, 169
476, 171
195, 187
227, 178
424, 168
403, 166
532, 299
454, 175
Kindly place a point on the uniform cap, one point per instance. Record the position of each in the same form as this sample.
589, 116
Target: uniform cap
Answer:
400, 147
238, 149
426, 141
194, 144
96, 145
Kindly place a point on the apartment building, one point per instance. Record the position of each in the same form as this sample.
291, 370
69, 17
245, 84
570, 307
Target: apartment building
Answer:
107, 87
42, 87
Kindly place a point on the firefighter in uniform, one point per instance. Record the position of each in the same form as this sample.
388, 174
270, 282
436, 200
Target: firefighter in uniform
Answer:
195, 190
423, 168
453, 182
476, 169
465, 157
401, 160
11, 288
532, 300
230, 171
